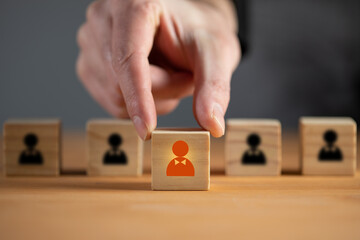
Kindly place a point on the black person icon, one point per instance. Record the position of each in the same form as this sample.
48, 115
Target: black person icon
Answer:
115, 155
330, 152
253, 155
30, 155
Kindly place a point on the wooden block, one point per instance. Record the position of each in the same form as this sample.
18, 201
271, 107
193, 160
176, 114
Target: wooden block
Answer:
180, 159
253, 147
114, 148
328, 146
32, 147
2, 162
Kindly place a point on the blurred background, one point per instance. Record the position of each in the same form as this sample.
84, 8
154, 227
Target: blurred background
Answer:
303, 59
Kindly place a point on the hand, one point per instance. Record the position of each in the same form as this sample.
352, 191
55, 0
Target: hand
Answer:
139, 58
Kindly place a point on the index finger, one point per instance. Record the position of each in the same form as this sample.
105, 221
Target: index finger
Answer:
134, 28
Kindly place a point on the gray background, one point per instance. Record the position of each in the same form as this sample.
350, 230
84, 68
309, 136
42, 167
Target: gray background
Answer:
304, 60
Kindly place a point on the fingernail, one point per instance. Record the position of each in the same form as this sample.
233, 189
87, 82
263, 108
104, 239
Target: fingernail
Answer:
140, 127
218, 116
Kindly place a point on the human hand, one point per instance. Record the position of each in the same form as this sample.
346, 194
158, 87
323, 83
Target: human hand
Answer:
139, 58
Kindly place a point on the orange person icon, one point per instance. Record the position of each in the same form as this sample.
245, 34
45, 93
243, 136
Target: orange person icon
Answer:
180, 166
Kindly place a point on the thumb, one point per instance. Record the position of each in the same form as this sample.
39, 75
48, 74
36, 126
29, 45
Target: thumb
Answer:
215, 61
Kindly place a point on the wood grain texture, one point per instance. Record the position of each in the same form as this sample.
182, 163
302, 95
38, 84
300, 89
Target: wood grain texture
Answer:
74, 153
48, 132
75, 144
83, 207
198, 142
98, 132
236, 146
2, 162
312, 132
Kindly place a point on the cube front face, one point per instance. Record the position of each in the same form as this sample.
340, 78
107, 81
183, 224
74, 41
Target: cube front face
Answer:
32, 148
328, 146
114, 148
180, 160
253, 147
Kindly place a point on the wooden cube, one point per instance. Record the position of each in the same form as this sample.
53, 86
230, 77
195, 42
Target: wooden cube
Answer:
253, 147
32, 147
328, 146
114, 148
180, 159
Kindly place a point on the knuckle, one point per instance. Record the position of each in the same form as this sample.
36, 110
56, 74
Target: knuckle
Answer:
231, 46
221, 35
81, 69
147, 8
222, 89
124, 60
131, 101
236, 50
81, 36
114, 3
93, 10
201, 36
220, 86
118, 63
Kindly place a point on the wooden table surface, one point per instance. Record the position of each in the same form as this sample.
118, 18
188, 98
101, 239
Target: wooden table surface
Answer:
79, 207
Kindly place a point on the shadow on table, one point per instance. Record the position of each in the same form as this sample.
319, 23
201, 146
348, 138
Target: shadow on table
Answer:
76, 183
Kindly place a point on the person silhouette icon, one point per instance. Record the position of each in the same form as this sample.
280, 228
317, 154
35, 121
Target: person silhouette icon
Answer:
253, 155
180, 166
330, 152
30, 155
115, 155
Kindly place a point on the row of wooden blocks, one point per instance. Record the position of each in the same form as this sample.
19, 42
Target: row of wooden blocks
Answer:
181, 157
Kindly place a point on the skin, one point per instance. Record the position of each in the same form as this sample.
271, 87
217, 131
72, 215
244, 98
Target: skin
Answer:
139, 58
